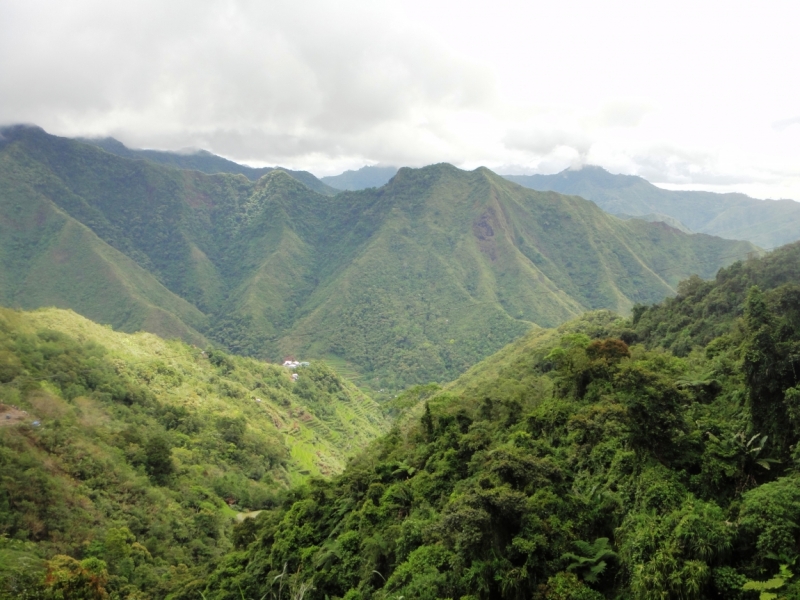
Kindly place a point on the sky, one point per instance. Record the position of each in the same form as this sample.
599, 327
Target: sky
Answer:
694, 94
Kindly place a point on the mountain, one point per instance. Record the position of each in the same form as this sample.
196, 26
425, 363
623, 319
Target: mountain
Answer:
766, 223
411, 282
50, 258
142, 453
586, 462
448, 266
205, 162
361, 179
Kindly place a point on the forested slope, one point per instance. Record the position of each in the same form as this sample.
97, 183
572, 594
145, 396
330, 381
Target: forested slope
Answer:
408, 283
206, 162
49, 258
441, 267
140, 452
584, 463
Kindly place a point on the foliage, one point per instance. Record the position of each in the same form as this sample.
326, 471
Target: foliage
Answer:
139, 453
774, 583
592, 560
491, 486
408, 283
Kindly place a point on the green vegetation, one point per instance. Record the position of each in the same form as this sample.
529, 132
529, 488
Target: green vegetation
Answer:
585, 462
767, 223
205, 162
406, 284
125, 460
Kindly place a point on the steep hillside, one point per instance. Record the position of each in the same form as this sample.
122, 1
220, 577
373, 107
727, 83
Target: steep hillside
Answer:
408, 283
766, 223
206, 162
141, 452
450, 266
570, 466
361, 179
48, 258
706, 310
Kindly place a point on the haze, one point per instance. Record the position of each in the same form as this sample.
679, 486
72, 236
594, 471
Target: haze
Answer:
691, 95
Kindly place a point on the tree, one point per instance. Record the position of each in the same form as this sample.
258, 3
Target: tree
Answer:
68, 579
158, 458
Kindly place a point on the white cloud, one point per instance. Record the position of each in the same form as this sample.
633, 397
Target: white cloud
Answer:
259, 81
637, 87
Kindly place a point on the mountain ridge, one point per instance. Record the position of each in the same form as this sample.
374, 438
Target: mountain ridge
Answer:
411, 282
766, 223
205, 162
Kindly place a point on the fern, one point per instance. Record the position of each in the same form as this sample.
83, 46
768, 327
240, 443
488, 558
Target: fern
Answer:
592, 560
775, 583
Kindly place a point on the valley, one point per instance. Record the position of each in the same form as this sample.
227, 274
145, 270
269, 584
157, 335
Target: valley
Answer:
408, 283
220, 383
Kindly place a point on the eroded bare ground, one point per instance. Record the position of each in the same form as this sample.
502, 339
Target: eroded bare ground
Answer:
12, 416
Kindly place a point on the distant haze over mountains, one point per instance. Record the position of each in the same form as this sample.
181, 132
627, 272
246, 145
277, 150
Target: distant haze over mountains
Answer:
361, 179
767, 223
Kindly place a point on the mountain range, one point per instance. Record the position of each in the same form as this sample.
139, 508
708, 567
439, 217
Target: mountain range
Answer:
766, 223
410, 282
205, 162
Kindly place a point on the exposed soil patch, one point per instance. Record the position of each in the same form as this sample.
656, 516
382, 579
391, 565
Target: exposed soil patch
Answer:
484, 232
12, 416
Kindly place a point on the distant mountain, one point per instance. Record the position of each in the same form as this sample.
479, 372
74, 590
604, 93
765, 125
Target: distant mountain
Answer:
411, 282
767, 223
361, 179
205, 162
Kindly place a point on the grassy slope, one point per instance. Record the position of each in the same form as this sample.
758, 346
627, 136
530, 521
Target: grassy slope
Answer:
100, 397
768, 224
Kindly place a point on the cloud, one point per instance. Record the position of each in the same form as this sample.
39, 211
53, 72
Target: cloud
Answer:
784, 124
328, 86
619, 113
253, 80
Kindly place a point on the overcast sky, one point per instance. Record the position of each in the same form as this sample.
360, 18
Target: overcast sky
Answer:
689, 94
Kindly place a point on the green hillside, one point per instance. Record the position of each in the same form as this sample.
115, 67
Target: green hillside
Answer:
408, 283
441, 267
584, 463
766, 223
49, 258
141, 452
206, 162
